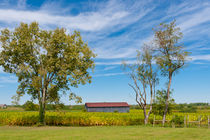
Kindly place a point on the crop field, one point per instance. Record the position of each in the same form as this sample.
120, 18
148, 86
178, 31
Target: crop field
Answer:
134, 117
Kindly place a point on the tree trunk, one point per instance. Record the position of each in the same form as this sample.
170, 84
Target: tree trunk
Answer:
42, 108
41, 113
145, 116
146, 119
168, 94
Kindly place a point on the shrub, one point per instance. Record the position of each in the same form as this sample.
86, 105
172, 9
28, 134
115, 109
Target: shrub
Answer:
178, 120
30, 106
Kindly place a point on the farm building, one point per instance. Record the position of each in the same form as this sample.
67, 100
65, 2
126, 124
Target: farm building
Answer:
107, 107
3, 106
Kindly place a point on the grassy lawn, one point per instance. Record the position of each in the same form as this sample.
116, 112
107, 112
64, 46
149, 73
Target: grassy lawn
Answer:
102, 133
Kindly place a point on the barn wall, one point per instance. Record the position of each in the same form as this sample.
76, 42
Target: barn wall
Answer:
107, 109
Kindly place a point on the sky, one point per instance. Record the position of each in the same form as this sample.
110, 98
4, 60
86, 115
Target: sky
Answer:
114, 30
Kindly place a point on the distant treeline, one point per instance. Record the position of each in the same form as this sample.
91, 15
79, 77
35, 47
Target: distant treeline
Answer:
183, 107
30, 106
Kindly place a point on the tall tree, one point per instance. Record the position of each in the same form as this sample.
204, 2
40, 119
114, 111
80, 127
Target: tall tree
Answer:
46, 62
171, 56
144, 77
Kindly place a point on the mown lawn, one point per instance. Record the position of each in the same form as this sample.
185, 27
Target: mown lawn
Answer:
102, 133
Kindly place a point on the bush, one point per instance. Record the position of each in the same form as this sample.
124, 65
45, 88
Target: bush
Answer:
178, 120
159, 104
57, 106
186, 108
30, 106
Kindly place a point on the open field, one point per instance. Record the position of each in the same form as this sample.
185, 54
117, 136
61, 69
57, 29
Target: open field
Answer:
103, 133
12, 109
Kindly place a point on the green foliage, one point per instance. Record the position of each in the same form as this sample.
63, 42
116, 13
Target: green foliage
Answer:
186, 108
75, 107
74, 97
15, 100
30, 106
159, 104
198, 104
171, 55
58, 106
178, 120
134, 107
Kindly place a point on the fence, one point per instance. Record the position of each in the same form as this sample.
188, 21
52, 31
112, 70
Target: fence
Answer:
187, 121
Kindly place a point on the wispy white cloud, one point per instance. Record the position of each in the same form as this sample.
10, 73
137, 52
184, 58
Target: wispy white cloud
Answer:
112, 13
201, 57
86, 22
115, 29
109, 68
55, 7
199, 63
196, 19
108, 74
116, 62
8, 79
185, 8
96, 25
113, 53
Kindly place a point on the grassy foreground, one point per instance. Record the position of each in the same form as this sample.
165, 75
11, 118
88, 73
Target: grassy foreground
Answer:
102, 133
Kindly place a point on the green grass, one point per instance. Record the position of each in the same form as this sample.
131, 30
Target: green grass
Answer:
102, 133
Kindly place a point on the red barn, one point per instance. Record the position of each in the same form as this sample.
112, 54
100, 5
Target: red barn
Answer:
107, 107
3, 106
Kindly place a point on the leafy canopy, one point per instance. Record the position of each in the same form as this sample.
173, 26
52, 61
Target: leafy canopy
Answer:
45, 60
171, 55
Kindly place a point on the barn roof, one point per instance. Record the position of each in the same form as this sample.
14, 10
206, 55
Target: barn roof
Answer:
107, 104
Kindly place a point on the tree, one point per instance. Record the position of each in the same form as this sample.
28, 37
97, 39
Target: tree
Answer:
74, 97
30, 106
15, 100
46, 62
171, 56
159, 103
144, 77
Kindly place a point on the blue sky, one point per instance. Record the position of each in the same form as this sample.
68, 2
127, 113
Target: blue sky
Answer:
114, 30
